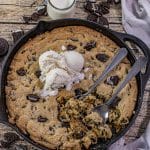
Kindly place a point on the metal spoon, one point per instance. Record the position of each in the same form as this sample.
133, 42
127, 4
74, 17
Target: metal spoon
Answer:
104, 109
115, 61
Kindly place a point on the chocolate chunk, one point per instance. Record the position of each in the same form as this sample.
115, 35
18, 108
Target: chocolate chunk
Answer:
17, 35
110, 1
11, 137
65, 124
4, 46
21, 72
5, 144
35, 16
88, 6
78, 134
102, 57
33, 97
41, 10
79, 92
92, 17
42, 119
113, 80
71, 47
90, 45
38, 73
74, 39
27, 19
103, 21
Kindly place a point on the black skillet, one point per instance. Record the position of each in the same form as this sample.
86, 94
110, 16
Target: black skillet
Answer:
118, 38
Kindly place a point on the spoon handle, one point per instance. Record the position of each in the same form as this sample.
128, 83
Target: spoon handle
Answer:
115, 61
138, 65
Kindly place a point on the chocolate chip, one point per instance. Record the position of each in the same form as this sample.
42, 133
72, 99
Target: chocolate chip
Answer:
5, 144
90, 45
38, 73
17, 35
27, 19
21, 72
102, 57
78, 134
11, 137
42, 119
4, 46
35, 16
92, 17
113, 80
33, 97
71, 47
103, 21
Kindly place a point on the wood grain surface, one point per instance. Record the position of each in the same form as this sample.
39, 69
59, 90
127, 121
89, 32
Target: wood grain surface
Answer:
11, 12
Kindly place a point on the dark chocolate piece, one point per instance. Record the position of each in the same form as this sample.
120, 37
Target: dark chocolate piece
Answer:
90, 45
33, 97
71, 47
21, 72
102, 57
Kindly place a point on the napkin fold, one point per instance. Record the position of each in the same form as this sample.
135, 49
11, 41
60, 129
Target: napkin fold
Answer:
136, 18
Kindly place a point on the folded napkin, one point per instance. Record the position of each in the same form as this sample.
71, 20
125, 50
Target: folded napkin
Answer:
136, 18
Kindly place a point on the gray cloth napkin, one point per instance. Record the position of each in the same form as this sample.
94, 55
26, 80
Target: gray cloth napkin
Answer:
136, 18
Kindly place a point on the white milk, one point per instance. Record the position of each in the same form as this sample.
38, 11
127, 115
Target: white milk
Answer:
58, 9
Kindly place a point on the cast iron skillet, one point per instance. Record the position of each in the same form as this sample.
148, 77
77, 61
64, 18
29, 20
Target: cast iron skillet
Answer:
118, 38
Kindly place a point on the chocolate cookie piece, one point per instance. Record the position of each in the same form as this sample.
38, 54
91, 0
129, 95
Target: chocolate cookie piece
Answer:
35, 16
92, 17
38, 73
17, 35
5, 144
102, 57
4, 46
33, 97
26, 19
11, 137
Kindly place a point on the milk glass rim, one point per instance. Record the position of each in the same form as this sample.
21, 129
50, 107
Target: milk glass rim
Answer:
62, 9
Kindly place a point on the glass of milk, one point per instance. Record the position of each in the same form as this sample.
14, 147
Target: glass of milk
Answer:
58, 9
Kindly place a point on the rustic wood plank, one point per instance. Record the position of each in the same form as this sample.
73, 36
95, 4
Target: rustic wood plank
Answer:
14, 13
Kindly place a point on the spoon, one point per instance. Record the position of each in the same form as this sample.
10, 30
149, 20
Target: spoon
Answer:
103, 109
115, 61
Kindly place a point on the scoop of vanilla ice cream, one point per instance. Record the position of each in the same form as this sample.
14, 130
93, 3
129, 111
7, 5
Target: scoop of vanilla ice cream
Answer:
47, 60
55, 79
74, 60
59, 70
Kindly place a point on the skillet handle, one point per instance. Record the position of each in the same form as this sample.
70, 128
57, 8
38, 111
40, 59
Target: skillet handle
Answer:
130, 38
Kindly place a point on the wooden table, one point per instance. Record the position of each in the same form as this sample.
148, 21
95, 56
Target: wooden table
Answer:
11, 12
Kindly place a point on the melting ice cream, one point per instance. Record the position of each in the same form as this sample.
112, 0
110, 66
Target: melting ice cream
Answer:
60, 70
